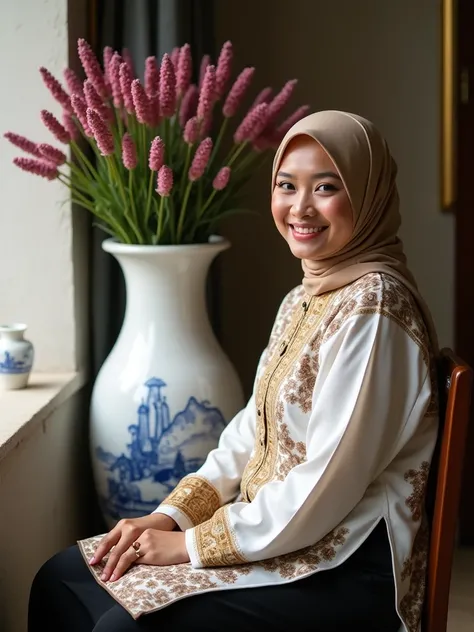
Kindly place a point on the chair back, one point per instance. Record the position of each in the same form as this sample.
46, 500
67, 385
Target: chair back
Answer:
444, 485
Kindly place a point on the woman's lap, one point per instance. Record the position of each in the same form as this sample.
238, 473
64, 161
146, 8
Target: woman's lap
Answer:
65, 596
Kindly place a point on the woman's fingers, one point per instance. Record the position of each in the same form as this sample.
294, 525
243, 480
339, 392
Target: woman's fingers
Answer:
105, 545
118, 551
127, 559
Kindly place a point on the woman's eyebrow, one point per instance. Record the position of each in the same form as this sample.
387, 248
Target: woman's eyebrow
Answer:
315, 176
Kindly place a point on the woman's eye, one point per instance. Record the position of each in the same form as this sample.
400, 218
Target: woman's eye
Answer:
286, 186
326, 188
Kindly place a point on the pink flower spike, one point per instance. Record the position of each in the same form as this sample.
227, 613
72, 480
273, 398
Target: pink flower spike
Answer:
222, 179
167, 87
224, 69
188, 105
38, 167
91, 67
184, 71
262, 142
23, 143
56, 89
94, 101
207, 94
129, 152
262, 97
80, 109
70, 126
127, 58
175, 57
205, 127
107, 58
114, 77
102, 134
55, 127
288, 123
157, 154
74, 84
152, 77
126, 79
155, 110
253, 124
191, 131
141, 103
200, 160
280, 100
52, 155
237, 92
164, 181
206, 60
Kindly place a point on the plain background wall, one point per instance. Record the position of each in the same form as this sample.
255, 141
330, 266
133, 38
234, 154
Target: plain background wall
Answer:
46, 503
380, 60
37, 278
46, 496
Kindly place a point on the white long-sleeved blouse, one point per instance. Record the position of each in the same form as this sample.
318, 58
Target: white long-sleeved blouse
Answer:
338, 435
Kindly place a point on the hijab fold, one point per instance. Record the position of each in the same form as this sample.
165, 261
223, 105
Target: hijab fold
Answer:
368, 172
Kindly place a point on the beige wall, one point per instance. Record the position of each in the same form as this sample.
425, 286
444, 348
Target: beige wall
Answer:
378, 59
46, 503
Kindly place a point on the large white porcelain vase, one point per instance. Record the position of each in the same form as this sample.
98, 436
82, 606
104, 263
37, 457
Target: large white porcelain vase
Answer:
166, 391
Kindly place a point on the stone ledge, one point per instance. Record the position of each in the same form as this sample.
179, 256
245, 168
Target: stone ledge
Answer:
22, 410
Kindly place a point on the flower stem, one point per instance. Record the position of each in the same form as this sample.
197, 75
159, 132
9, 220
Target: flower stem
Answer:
148, 201
201, 211
132, 201
87, 204
236, 153
218, 142
184, 175
114, 175
160, 219
183, 212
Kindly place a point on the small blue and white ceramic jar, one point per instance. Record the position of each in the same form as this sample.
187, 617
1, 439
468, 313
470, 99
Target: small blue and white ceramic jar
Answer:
16, 357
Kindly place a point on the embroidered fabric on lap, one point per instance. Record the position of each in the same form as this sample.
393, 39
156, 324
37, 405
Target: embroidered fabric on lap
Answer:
196, 498
144, 589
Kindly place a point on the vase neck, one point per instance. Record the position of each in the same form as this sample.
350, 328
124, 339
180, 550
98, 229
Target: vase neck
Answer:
167, 287
12, 332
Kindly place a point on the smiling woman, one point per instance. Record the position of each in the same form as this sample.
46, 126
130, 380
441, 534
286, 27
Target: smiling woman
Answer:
310, 205
315, 495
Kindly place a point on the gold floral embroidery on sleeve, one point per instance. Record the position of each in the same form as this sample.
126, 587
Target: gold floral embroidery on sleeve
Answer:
196, 498
216, 543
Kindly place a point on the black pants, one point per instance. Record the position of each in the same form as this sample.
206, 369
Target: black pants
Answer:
359, 595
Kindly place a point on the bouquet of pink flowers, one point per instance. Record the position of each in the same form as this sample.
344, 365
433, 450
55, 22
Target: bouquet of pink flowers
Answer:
158, 176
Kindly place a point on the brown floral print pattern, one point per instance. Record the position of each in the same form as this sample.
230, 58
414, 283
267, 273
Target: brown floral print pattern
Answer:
411, 605
418, 479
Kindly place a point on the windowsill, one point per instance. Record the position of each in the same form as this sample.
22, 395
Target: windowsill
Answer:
22, 410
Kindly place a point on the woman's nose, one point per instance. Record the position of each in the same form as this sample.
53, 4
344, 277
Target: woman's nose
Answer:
303, 206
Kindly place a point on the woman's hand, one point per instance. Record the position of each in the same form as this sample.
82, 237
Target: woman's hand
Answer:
157, 548
124, 534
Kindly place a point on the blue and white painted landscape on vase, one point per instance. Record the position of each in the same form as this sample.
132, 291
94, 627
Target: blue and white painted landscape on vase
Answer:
163, 448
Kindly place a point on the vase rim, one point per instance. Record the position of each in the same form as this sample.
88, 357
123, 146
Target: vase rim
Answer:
12, 327
112, 245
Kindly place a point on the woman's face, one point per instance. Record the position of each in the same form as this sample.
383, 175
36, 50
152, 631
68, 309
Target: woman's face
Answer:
310, 205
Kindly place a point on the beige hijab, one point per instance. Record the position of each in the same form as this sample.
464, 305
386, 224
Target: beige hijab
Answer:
368, 172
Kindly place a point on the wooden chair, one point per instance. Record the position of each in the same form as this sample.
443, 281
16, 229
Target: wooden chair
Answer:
444, 486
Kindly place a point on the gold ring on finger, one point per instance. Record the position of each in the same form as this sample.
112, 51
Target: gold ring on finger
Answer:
136, 548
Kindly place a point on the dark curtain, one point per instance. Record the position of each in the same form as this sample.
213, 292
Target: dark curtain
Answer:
144, 27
